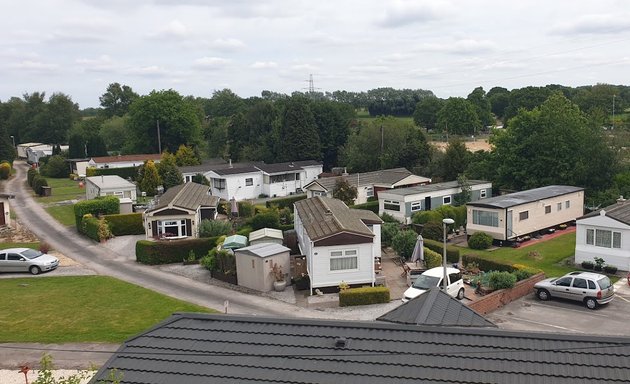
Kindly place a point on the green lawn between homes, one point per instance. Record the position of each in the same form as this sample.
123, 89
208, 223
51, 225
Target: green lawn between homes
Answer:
63, 214
19, 245
549, 256
62, 189
81, 309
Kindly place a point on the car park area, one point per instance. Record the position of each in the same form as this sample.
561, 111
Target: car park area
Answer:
532, 314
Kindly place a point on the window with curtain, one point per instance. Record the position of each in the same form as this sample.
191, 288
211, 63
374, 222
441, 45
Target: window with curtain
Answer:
391, 205
489, 219
344, 260
603, 238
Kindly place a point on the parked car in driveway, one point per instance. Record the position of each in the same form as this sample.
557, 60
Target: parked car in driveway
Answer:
433, 278
26, 260
593, 289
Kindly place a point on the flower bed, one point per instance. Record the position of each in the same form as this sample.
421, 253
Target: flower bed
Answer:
501, 297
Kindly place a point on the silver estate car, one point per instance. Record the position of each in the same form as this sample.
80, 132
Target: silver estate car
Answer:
593, 289
26, 260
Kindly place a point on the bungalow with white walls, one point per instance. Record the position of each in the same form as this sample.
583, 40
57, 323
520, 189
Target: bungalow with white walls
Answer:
109, 185
284, 179
510, 216
239, 183
179, 211
402, 203
368, 184
605, 233
21, 149
122, 161
5, 209
340, 244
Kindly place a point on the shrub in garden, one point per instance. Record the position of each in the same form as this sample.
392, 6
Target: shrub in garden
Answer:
424, 217
610, 269
5, 170
387, 218
125, 224
479, 240
269, 219
433, 231
369, 206
30, 175
486, 265
38, 183
363, 296
599, 263
106, 205
432, 259
388, 231
90, 227
588, 264
212, 228
452, 253
522, 274
55, 167
165, 252
404, 242
501, 280
285, 202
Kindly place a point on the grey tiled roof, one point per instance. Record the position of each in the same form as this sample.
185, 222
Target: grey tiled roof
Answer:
223, 168
187, 196
234, 171
218, 348
382, 177
524, 197
619, 211
430, 188
110, 181
435, 307
285, 167
323, 217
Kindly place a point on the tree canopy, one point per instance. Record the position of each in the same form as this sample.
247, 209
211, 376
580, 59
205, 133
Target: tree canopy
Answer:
117, 99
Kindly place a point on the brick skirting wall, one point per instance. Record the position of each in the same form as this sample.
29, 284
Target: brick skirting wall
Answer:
497, 299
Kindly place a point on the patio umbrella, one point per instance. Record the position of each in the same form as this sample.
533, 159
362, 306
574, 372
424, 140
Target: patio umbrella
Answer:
234, 207
418, 250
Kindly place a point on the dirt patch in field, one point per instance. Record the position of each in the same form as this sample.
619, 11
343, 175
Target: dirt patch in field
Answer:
17, 233
473, 146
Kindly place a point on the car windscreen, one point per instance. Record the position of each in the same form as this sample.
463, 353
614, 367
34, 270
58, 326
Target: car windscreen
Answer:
426, 282
604, 283
31, 253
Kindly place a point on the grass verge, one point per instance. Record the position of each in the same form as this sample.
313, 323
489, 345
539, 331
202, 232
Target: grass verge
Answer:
34, 245
81, 309
548, 255
62, 189
63, 214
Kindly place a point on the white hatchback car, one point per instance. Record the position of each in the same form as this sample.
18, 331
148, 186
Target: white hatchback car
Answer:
26, 260
433, 278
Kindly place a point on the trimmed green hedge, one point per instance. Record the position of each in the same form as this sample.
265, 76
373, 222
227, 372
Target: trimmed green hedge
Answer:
452, 253
285, 202
166, 252
369, 206
363, 296
124, 172
125, 224
89, 227
487, 265
106, 205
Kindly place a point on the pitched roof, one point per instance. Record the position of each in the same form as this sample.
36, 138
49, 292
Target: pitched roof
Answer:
428, 188
234, 171
188, 196
266, 232
110, 181
382, 177
263, 249
286, 167
434, 307
219, 348
324, 216
524, 197
126, 158
223, 168
619, 211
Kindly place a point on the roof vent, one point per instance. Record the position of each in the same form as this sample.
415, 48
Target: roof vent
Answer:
341, 342
621, 200
328, 211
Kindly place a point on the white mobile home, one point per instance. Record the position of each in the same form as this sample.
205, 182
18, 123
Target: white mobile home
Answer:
21, 149
402, 203
109, 185
522, 213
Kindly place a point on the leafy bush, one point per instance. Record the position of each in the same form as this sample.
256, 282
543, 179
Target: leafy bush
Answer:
30, 175
424, 217
369, 206
433, 231
89, 227
38, 183
452, 253
126, 224
486, 265
165, 252
388, 231
588, 264
432, 259
124, 172
404, 243
285, 202
460, 215
105, 205
208, 261
246, 230
479, 240
269, 219
212, 228
501, 280
55, 167
610, 269
221, 264
522, 274
5, 170
363, 296
387, 218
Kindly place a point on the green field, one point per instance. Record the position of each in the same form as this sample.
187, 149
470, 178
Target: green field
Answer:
62, 189
81, 309
363, 115
19, 245
63, 214
548, 256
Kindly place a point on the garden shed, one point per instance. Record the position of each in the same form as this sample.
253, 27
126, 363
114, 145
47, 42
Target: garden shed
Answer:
235, 242
266, 235
254, 265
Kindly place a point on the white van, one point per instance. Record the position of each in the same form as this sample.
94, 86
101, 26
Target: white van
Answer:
433, 278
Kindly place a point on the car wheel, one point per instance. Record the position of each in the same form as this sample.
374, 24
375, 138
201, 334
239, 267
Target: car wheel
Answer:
460, 294
590, 303
34, 270
543, 294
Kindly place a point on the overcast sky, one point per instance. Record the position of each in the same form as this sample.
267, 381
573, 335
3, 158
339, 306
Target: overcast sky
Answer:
197, 46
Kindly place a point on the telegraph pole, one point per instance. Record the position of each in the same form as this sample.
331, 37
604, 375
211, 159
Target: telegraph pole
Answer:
159, 141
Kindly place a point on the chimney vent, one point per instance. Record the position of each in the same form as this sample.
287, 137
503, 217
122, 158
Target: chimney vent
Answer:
621, 200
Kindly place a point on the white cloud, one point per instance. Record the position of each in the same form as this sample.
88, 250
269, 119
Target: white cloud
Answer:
403, 12
175, 30
149, 71
460, 47
103, 63
35, 66
370, 68
210, 63
594, 24
264, 65
227, 44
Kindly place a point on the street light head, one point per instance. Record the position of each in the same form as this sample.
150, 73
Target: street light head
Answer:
448, 221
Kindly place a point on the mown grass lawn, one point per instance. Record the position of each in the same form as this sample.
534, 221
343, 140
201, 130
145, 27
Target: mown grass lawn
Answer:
62, 189
34, 245
81, 309
549, 256
63, 214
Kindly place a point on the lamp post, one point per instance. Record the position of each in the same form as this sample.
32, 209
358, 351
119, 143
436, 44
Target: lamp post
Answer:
445, 222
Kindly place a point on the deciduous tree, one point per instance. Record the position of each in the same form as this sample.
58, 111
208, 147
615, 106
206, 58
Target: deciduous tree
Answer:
117, 99
345, 191
458, 117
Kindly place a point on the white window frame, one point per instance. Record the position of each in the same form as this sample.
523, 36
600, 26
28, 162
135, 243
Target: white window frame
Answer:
485, 218
180, 224
343, 255
391, 203
369, 191
558, 207
249, 181
446, 200
319, 193
567, 204
416, 206
482, 194
603, 238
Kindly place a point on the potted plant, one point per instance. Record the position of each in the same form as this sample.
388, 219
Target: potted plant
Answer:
302, 282
279, 283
